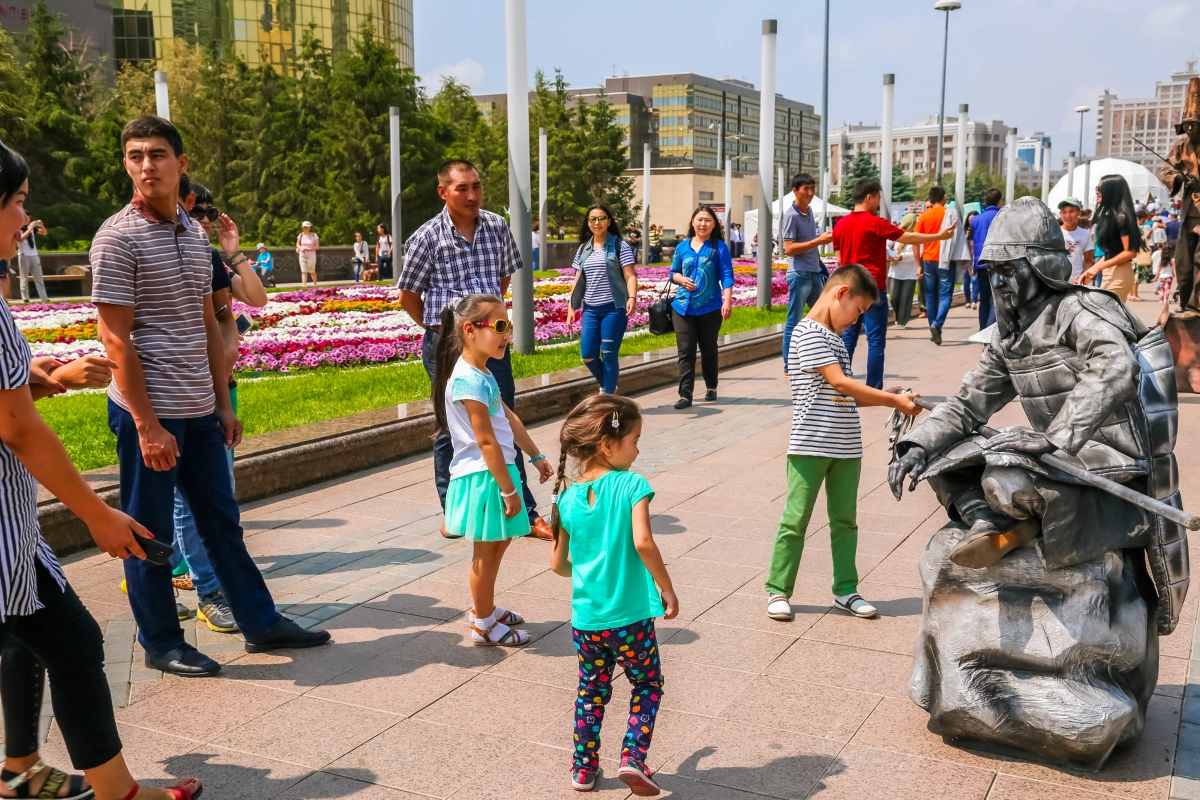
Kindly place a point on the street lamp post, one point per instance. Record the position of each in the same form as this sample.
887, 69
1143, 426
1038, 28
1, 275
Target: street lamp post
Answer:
825, 127
518, 172
766, 159
947, 6
1081, 110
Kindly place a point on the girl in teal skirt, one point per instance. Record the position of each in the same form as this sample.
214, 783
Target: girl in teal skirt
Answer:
483, 501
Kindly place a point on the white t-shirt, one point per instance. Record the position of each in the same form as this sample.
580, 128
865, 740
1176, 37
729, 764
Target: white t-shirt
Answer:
537, 240
384, 246
824, 422
1167, 270
1079, 241
468, 383
28, 245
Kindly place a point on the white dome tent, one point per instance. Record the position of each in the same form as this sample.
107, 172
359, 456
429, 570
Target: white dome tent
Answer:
1142, 182
750, 220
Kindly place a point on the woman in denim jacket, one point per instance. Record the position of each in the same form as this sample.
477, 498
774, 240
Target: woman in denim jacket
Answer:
703, 269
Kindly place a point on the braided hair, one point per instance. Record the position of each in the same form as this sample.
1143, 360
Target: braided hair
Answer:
598, 418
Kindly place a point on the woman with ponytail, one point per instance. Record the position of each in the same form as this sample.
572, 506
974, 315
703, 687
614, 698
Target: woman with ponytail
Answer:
483, 500
602, 541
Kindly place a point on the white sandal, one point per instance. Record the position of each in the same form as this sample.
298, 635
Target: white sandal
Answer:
511, 637
504, 616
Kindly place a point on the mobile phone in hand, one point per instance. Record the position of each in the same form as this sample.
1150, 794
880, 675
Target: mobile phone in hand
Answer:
157, 553
244, 323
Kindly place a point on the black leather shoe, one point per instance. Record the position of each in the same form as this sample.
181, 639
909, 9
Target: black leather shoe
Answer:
711, 395
683, 402
184, 661
935, 333
287, 634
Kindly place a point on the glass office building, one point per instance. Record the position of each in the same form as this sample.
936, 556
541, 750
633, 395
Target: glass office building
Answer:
257, 31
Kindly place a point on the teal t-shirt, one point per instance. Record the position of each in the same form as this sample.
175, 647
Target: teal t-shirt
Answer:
610, 584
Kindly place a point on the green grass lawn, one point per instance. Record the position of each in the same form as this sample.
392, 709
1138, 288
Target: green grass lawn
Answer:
276, 401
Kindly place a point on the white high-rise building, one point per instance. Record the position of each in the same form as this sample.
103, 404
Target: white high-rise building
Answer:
1150, 119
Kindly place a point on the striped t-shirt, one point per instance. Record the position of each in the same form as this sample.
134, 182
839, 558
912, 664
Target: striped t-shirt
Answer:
824, 423
163, 270
597, 291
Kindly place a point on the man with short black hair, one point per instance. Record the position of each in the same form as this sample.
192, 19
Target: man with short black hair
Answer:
806, 275
463, 250
939, 278
861, 237
993, 201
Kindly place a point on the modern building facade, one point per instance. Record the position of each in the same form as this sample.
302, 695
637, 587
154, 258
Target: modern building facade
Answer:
1031, 148
914, 148
1150, 119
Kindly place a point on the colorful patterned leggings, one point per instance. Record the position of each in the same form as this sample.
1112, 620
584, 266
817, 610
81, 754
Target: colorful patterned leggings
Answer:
635, 648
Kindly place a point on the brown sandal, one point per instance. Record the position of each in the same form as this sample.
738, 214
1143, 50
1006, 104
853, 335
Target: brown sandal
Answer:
510, 638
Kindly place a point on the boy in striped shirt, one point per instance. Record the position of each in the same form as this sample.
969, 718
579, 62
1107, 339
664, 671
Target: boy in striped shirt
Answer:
826, 441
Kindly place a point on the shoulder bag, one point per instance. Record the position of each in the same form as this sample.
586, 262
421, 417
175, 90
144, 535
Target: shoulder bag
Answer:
660, 311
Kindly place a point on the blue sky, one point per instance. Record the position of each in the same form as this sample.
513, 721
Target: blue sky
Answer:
1028, 62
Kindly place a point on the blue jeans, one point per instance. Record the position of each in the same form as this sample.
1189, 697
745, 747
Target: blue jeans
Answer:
803, 290
970, 287
983, 293
202, 474
443, 447
536, 250
876, 322
939, 289
600, 333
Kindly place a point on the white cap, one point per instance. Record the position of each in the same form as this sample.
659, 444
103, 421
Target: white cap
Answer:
260, 246
306, 224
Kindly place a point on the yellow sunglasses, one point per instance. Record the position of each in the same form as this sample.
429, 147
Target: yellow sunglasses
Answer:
499, 326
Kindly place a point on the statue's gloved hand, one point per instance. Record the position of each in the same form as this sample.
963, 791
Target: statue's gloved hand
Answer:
1020, 440
911, 464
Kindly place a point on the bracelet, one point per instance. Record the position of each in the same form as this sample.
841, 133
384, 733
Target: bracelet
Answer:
235, 263
537, 458
509, 494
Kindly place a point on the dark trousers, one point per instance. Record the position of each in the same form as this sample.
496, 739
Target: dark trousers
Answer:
201, 473
64, 637
1186, 260
443, 447
692, 331
984, 296
385, 268
875, 321
902, 299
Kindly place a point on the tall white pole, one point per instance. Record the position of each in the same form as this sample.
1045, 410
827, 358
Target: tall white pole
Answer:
1046, 172
779, 193
942, 107
542, 189
960, 163
1071, 174
1088, 191
885, 155
766, 158
162, 98
824, 177
646, 203
394, 139
518, 173
728, 197
1010, 186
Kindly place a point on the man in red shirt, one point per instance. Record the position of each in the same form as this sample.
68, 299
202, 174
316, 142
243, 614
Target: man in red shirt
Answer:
861, 238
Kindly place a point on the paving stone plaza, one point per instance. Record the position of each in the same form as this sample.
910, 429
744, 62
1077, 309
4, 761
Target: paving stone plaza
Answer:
402, 706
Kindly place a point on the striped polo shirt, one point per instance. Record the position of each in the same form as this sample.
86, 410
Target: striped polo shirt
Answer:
824, 422
163, 270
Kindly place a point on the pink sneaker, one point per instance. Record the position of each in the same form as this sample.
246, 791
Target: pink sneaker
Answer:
636, 776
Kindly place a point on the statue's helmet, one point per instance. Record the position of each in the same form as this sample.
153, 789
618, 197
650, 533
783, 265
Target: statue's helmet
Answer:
1191, 105
1027, 229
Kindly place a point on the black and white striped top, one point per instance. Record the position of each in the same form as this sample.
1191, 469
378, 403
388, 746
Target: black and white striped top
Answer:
824, 423
21, 543
598, 291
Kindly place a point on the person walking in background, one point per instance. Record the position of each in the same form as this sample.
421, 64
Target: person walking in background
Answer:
463, 250
861, 237
307, 244
1081, 248
604, 544
29, 263
264, 265
383, 254
1118, 237
993, 200
635, 242
703, 269
902, 275
1164, 273
969, 281
655, 235
362, 255
908, 222
606, 289
483, 501
537, 246
801, 244
939, 280
737, 240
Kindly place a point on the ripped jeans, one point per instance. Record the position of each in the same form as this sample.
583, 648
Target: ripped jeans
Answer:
602, 328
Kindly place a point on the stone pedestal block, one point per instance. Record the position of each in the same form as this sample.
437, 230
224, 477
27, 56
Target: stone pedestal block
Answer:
1054, 665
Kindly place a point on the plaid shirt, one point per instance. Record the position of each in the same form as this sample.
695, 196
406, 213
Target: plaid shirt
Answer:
443, 266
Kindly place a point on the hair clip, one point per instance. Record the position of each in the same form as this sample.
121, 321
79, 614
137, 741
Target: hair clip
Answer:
553, 499
615, 422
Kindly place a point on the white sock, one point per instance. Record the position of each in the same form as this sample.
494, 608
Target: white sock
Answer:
483, 623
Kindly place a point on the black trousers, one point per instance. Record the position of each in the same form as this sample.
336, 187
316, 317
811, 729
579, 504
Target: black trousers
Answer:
902, 299
66, 639
691, 331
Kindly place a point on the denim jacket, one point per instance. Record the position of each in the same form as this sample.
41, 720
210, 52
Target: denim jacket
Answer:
712, 272
616, 274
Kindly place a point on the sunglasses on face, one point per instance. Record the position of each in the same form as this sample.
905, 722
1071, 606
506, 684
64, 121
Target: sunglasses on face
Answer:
597, 219
499, 326
211, 213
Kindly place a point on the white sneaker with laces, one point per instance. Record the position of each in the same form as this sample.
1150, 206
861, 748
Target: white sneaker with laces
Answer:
780, 608
855, 605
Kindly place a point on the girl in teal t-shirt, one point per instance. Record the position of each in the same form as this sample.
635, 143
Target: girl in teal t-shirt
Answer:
602, 541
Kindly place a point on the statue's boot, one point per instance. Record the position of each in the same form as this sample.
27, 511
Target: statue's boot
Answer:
985, 544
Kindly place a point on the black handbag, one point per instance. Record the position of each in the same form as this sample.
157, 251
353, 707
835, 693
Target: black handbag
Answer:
660, 312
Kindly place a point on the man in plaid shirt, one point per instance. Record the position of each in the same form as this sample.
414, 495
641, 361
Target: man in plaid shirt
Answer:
463, 250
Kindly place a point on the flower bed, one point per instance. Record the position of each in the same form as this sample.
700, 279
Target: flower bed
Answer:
351, 325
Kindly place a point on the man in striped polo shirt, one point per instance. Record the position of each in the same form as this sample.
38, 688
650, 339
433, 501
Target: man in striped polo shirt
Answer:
169, 403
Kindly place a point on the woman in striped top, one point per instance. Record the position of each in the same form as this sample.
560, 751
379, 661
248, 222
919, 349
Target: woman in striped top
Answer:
606, 289
38, 608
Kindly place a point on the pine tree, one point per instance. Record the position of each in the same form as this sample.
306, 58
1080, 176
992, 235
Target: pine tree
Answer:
482, 143
903, 190
860, 168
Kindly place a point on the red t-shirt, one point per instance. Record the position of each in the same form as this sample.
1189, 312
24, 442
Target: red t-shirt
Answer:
861, 238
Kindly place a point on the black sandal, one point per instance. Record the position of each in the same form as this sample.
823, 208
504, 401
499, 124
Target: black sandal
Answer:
19, 783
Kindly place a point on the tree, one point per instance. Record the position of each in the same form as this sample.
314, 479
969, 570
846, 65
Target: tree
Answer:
860, 168
903, 190
483, 143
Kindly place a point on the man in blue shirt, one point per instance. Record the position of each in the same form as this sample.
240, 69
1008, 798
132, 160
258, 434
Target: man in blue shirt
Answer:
806, 275
992, 201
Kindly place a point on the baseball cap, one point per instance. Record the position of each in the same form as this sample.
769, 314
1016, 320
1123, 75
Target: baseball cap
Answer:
306, 224
1070, 201
260, 246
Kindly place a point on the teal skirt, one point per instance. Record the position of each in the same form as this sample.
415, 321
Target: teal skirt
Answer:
475, 509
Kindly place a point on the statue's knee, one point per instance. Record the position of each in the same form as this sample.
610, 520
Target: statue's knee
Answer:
1011, 490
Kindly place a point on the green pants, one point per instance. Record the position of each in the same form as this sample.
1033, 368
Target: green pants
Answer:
805, 475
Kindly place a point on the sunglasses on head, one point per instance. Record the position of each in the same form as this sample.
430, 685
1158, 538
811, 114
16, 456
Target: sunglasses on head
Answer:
499, 326
211, 213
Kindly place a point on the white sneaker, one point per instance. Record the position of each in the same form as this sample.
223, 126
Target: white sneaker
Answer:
900, 325
780, 608
855, 605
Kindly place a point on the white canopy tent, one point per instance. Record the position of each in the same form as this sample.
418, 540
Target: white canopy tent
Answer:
750, 222
1142, 182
